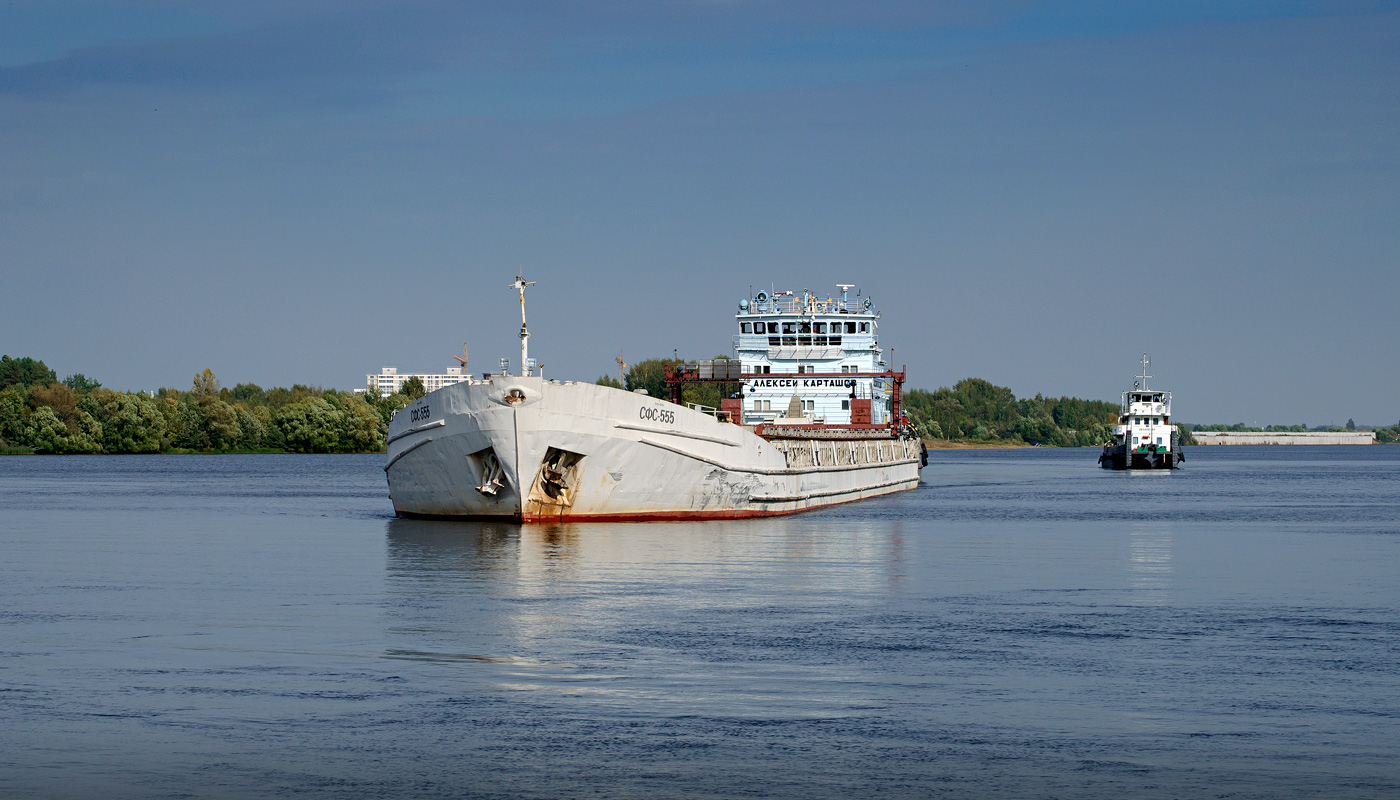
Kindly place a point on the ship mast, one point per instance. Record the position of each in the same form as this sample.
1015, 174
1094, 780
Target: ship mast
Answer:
1146, 359
521, 284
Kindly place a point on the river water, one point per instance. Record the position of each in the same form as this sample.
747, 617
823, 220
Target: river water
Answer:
1023, 625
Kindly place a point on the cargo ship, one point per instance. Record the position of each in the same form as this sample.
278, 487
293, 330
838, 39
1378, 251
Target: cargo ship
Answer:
812, 419
1144, 437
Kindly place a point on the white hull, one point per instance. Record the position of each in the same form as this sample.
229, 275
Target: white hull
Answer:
531, 450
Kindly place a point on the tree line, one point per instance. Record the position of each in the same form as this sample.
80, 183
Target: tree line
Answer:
38, 412
976, 410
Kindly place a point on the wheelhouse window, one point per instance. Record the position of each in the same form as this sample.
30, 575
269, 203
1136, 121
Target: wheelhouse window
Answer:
865, 327
789, 327
746, 327
850, 327
805, 327
819, 327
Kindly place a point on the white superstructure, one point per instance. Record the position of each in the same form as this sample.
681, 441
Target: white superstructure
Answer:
822, 351
526, 448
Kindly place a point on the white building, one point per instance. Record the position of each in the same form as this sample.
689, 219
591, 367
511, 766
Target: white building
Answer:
389, 381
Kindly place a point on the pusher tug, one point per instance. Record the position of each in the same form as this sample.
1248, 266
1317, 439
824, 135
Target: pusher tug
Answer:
1144, 437
817, 423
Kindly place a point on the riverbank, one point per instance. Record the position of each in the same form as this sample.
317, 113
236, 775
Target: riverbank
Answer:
947, 444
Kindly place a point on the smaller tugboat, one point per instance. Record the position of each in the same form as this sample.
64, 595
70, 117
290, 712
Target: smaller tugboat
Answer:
1144, 437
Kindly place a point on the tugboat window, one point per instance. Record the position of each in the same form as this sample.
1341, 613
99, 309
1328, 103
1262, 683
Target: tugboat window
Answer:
789, 327
745, 327
819, 327
806, 328
850, 327
865, 327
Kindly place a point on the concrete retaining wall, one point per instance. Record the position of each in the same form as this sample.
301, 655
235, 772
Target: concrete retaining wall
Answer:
1311, 437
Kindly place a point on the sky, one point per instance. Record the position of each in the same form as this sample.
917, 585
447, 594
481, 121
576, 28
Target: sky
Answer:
303, 191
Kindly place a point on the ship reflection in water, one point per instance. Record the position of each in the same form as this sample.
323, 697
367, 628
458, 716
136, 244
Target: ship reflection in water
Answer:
572, 609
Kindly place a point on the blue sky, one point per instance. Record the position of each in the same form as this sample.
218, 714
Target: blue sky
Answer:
1034, 193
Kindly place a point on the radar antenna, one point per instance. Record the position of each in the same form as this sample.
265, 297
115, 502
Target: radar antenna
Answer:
521, 284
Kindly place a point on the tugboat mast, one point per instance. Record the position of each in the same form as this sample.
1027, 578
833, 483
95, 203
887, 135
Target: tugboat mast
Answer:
1146, 359
521, 284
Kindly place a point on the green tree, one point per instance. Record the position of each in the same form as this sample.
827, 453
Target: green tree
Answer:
14, 416
131, 423
278, 396
1351, 424
310, 425
608, 380
80, 383
249, 393
205, 384
60, 398
413, 388
271, 435
649, 374
250, 429
386, 406
48, 432
362, 429
24, 371
185, 426
220, 423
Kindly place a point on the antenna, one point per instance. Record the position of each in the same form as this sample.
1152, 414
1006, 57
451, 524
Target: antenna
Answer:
845, 287
1146, 359
521, 284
